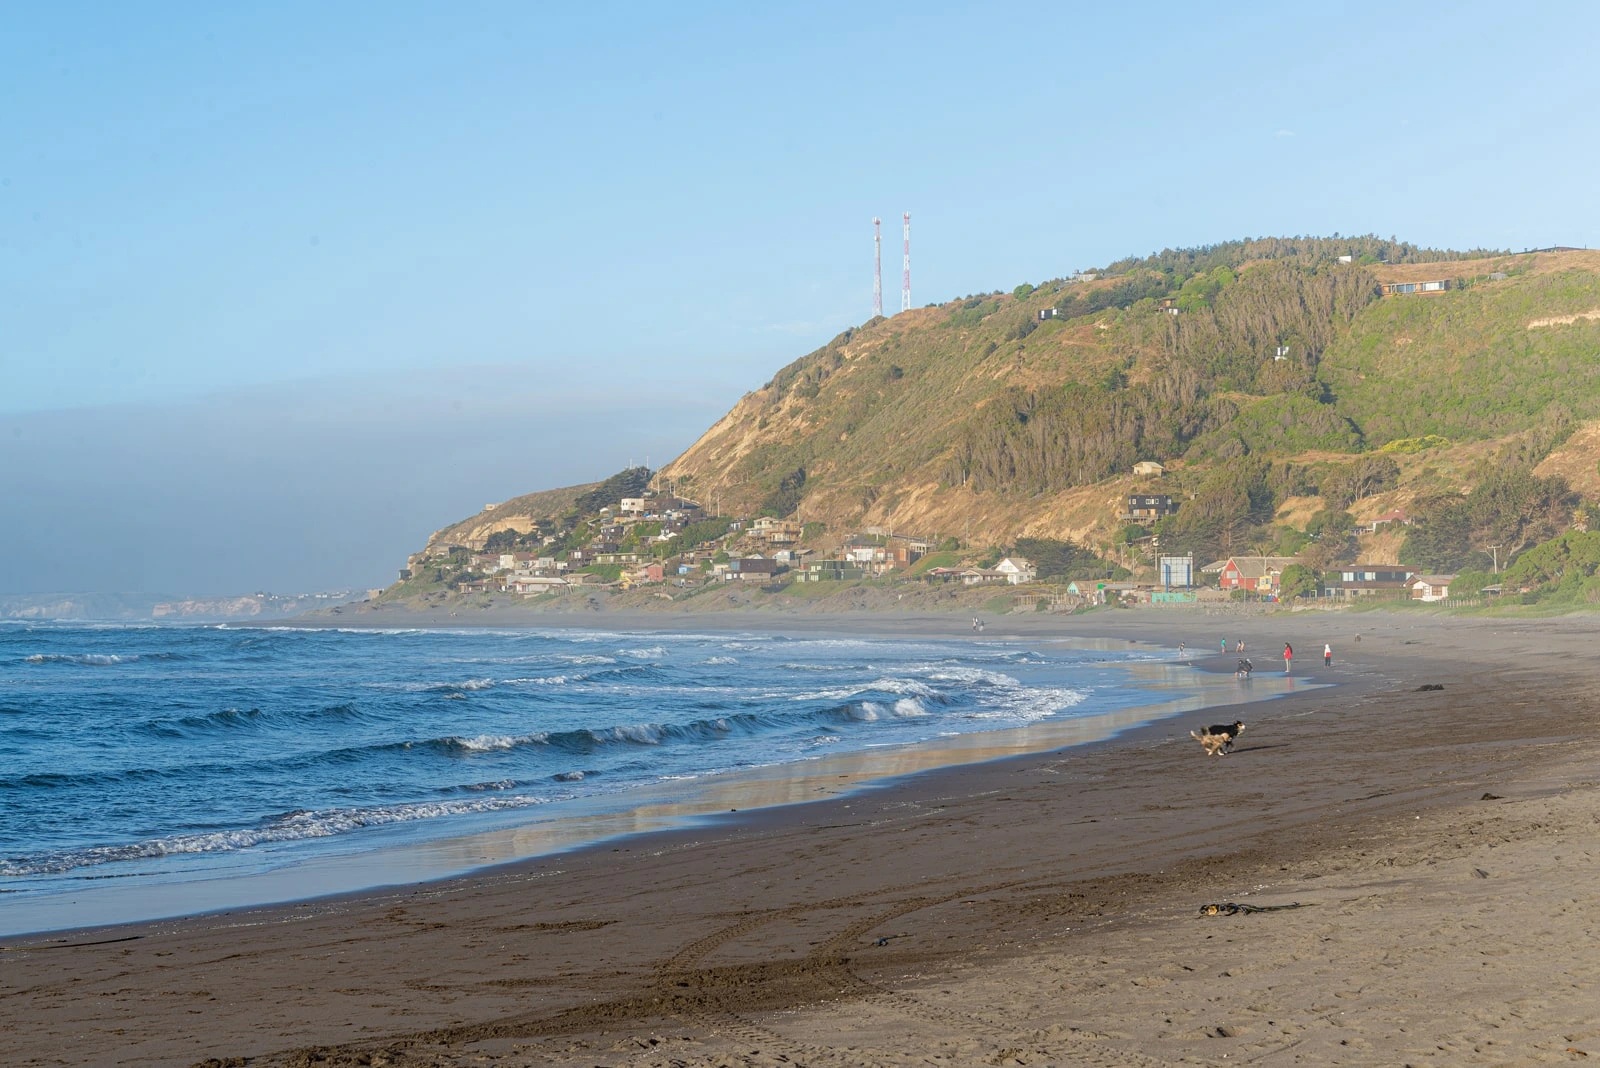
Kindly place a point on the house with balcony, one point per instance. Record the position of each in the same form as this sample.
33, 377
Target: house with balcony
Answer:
1146, 508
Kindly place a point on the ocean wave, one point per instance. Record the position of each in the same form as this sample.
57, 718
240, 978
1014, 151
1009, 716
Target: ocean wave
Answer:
466, 685
720, 660
232, 719
87, 659
653, 652
485, 743
288, 827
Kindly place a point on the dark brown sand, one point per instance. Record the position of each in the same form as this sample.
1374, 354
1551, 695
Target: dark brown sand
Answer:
1037, 910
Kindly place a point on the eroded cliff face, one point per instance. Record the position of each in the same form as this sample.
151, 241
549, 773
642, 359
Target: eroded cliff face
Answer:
520, 514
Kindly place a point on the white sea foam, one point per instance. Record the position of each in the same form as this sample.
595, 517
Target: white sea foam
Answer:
545, 680
654, 652
720, 660
909, 708
484, 743
291, 827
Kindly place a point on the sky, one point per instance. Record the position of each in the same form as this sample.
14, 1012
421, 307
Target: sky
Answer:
285, 287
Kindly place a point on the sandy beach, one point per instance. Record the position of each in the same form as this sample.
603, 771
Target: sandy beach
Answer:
1442, 847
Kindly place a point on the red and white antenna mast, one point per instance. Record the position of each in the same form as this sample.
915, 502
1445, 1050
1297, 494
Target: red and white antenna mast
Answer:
877, 267
905, 267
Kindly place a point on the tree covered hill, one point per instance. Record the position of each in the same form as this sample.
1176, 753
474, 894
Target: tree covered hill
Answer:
1255, 370
977, 415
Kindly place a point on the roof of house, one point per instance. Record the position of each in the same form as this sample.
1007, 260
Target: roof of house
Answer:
1432, 580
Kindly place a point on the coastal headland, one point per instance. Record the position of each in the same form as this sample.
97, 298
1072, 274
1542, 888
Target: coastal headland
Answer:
1440, 846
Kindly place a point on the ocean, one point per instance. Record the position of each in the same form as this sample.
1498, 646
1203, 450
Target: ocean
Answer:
140, 752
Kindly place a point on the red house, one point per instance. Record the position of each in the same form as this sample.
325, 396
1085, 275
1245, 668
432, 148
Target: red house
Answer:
1256, 573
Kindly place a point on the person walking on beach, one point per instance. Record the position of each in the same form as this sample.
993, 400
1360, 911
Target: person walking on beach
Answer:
974, 624
1288, 657
1223, 648
1180, 650
1327, 655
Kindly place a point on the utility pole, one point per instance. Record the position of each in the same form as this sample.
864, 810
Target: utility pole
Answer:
1495, 549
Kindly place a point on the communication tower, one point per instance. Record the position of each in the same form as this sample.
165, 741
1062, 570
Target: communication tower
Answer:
877, 267
905, 267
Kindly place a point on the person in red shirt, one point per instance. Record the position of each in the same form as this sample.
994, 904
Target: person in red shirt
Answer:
1288, 656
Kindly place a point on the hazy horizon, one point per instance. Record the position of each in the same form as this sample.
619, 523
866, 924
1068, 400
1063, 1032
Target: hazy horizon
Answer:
302, 487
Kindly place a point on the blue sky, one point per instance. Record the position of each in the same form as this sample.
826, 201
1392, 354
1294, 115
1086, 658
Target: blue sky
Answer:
232, 208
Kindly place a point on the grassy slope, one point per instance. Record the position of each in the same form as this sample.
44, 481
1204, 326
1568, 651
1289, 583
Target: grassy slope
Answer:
1466, 364
1463, 364
873, 417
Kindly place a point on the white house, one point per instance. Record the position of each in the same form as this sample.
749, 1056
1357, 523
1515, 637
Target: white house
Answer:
1431, 587
1148, 467
1017, 570
632, 506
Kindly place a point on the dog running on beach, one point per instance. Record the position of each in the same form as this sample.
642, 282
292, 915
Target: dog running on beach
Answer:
1218, 738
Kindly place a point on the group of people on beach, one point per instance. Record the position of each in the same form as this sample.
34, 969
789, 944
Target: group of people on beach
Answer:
1244, 667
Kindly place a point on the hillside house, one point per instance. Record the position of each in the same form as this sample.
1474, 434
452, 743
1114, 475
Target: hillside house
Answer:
1392, 516
1147, 507
983, 576
1017, 570
941, 574
652, 572
776, 531
1369, 580
1256, 574
473, 586
1431, 587
749, 568
832, 571
534, 585
634, 506
1148, 467
1391, 289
